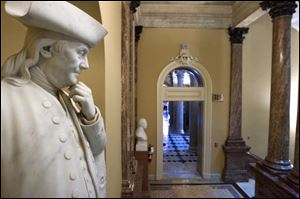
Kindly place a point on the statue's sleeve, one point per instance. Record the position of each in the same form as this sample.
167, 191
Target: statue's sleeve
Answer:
95, 132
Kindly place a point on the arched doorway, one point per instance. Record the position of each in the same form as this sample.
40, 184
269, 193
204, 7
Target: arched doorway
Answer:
204, 93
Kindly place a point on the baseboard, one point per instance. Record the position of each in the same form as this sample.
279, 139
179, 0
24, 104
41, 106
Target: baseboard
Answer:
212, 176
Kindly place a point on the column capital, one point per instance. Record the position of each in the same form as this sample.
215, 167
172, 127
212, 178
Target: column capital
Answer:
134, 5
138, 32
279, 8
236, 34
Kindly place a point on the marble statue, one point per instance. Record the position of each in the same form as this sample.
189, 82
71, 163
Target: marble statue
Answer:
142, 144
52, 134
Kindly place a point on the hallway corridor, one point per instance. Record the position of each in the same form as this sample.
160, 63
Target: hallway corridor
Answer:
179, 161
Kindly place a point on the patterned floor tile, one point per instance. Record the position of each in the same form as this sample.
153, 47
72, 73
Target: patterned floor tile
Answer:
195, 191
178, 160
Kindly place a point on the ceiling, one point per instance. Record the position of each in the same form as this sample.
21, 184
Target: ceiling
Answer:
201, 14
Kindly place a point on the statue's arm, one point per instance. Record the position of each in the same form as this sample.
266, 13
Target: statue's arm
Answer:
95, 132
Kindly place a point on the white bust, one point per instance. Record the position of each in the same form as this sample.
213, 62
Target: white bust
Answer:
142, 144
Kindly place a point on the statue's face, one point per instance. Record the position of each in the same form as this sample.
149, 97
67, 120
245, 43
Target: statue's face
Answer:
143, 123
64, 67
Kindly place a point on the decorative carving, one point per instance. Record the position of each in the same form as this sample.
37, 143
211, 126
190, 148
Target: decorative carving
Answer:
236, 34
279, 8
138, 32
184, 57
134, 5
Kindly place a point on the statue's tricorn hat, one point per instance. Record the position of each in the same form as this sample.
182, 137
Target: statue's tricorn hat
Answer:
59, 17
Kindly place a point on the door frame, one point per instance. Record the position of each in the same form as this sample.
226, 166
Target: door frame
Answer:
185, 94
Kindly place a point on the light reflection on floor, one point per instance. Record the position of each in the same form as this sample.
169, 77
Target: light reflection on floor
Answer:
178, 160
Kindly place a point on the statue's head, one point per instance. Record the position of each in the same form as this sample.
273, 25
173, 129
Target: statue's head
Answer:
58, 39
61, 58
143, 123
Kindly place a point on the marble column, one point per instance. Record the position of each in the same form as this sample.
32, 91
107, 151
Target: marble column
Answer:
194, 112
138, 31
186, 118
293, 177
235, 148
179, 106
277, 157
194, 117
171, 113
270, 174
129, 163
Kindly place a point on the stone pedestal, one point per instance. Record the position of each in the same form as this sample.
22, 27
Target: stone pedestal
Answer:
235, 148
235, 161
142, 158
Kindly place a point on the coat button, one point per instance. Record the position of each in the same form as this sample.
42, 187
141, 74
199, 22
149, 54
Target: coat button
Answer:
102, 183
47, 104
68, 155
63, 137
102, 180
73, 176
55, 120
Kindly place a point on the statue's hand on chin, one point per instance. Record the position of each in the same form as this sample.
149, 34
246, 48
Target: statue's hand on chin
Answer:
82, 95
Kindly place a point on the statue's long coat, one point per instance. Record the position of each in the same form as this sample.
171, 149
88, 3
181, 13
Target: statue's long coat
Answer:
44, 153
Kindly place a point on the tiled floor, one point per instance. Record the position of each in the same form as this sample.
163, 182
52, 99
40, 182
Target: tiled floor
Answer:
176, 149
178, 160
181, 178
194, 191
248, 187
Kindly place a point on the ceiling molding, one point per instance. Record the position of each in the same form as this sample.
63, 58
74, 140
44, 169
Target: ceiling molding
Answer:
185, 16
246, 12
198, 14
